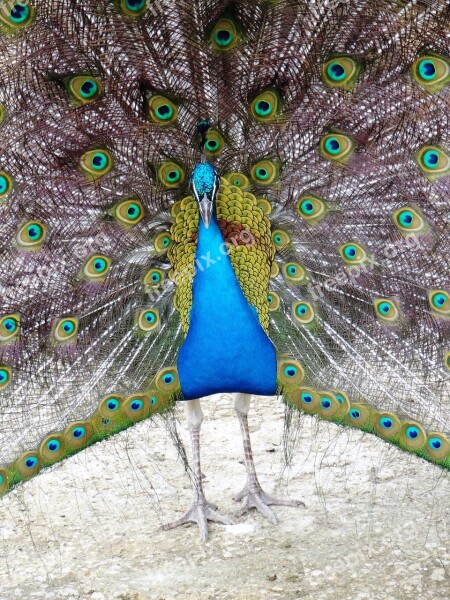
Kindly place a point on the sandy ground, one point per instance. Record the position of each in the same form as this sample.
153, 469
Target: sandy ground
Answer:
376, 525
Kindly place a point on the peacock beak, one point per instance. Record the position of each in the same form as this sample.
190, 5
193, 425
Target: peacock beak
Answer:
206, 210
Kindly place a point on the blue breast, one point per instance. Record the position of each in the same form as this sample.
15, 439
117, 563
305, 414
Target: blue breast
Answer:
226, 349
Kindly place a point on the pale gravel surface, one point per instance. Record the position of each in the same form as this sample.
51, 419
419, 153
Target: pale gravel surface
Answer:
376, 526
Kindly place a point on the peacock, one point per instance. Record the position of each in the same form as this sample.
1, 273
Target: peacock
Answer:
199, 197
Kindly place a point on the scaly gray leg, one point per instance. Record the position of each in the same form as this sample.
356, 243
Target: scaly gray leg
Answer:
252, 494
200, 511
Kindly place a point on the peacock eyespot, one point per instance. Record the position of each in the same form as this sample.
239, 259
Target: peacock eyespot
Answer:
237, 179
65, 330
31, 462
6, 184
167, 380
215, 143
388, 425
53, 445
409, 221
355, 413
171, 175
432, 72
412, 433
337, 147
266, 106
280, 238
128, 212
303, 312
31, 235
153, 278
113, 404
84, 89
264, 172
96, 163
290, 372
161, 110
311, 208
9, 328
224, 35
133, 8
163, 242
437, 446
386, 311
353, 254
148, 320
96, 268
440, 302
325, 403
17, 15
341, 72
5, 376
434, 162
273, 300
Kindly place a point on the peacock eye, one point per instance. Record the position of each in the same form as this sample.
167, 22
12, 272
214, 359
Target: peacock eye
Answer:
78, 434
96, 268
161, 110
128, 212
293, 272
263, 172
65, 330
167, 380
290, 372
341, 72
5, 376
266, 106
133, 8
153, 278
96, 163
136, 407
264, 205
31, 235
214, 143
303, 312
17, 15
386, 311
163, 242
434, 162
28, 464
311, 208
409, 221
280, 238
353, 254
431, 72
224, 35
171, 175
437, 446
447, 360
148, 320
337, 147
273, 299
9, 328
84, 89
6, 184
440, 302
237, 179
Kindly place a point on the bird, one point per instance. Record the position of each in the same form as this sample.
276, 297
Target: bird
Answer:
202, 197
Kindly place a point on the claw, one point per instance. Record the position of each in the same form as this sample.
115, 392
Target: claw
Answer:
261, 501
200, 513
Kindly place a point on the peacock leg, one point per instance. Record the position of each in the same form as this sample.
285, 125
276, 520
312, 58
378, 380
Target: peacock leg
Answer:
200, 511
253, 495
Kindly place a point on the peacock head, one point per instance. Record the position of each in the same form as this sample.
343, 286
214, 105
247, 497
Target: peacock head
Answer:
205, 184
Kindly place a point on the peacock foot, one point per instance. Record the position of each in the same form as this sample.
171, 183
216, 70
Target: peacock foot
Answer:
257, 498
200, 512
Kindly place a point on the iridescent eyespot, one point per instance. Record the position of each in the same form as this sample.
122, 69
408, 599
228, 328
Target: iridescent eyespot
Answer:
96, 268
152, 279
266, 106
387, 311
52, 448
438, 446
303, 312
136, 407
354, 413
6, 183
387, 425
84, 89
109, 407
167, 380
341, 71
133, 8
273, 299
353, 254
171, 175
358, 415
28, 464
432, 72
293, 272
31, 236
96, 163
17, 15
264, 172
434, 162
163, 242
128, 212
224, 35
148, 320
413, 436
264, 205
4, 481
306, 399
65, 330
237, 179
280, 238
439, 302
9, 328
78, 434
5, 376
409, 221
337, 147
274, 269
290, 372
215, 143
162, 111
311, 208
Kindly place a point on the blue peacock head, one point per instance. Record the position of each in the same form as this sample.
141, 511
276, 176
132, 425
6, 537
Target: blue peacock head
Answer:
205, 184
